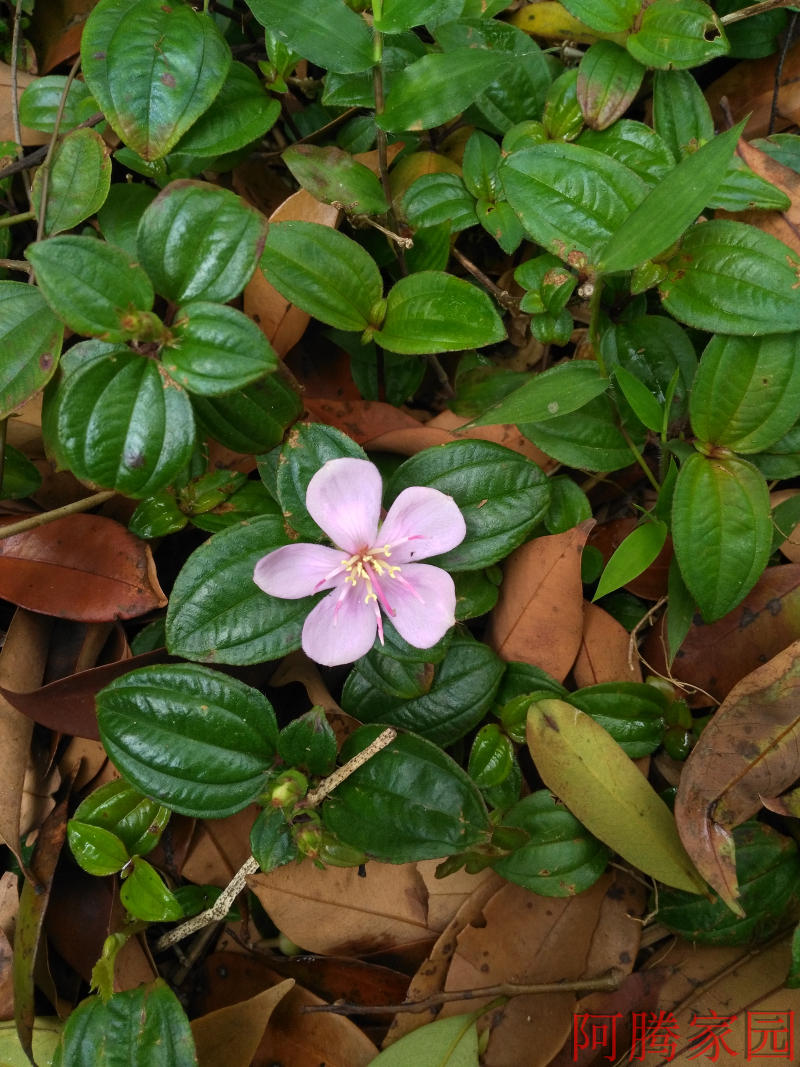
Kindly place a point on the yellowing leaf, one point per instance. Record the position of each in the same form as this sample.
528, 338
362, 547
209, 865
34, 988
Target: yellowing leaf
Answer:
581, 763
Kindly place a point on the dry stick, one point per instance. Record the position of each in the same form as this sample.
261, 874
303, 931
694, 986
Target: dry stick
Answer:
502, 296
16, 264
755, 9
606, 984
222, 905
14, 90
44, 517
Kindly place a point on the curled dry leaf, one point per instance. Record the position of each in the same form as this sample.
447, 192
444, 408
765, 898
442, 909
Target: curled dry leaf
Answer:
82, 567
604, 654
785, 225
539, 616
715, 656
749, 89
749, 750
231, 1035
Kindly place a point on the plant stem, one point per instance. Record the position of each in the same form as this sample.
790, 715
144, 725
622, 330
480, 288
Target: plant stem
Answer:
755, 9
640, 459
16, 264
502, 296
45, 517
12, 220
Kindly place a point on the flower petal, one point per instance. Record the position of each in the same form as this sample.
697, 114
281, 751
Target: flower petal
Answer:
431, 518
340, 629
344, 499
424, 618
295, 571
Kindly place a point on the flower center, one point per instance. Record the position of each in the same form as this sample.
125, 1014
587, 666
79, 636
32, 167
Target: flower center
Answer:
368, 567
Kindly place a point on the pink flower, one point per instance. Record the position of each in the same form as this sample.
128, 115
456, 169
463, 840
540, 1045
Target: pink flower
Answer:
371, 568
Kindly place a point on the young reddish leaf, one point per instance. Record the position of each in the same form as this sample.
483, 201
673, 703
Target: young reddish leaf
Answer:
83, 567
749, 750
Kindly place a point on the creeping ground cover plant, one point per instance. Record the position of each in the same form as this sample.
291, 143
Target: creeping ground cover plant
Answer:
399, 510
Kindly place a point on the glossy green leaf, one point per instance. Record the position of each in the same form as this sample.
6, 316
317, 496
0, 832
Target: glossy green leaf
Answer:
153, 69
681, 115
399, 15
146, 1024
458, 698
589, 438
94, 287
570, 199
557, 391
136, 820
608, 16
308, 447
250, 420
271, 840
743, 190
30, 337
727, 277
562, 116
21, 478
481, 157
326, 32
200, 742
149, 438
451, 1042
358, 90
217, 614
680, 610
397, 675
476, 593
721, 530
119, 216
249, 502
608, 81
431, 311
632, 713
490, 757
677, 34
241, 112
500, 221
643, 403
437, 198
216, 349
744, 395
145, 896
501, 495
39, 104
333, 176
652, 348
97, 850
633, 556
199, 242
79, 180
437, 87
635, 145
308, 742
561, 858
587, 770
569, 505
323, 272
667, 210
409, 802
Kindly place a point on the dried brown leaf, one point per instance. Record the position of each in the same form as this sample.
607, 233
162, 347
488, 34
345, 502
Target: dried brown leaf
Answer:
231, 1035
29, 137
748, 89
604, 654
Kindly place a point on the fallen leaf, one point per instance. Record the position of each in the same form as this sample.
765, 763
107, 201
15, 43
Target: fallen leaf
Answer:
748, 750
715, 656
604, 653
219, 848
588, 771
748, 89
29, 137
82, 567
785, 225
791, 546
363, 420
231, 1035
539, 616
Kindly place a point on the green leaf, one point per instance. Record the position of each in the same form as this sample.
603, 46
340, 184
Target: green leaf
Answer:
643, 404
151, 435
135, 820
79, 180
251, 420
241, 112
721, 529
271, 840
437, 198
743, 190
744, 395
608, 81
589, 438
30, 337
481, 157
439, 86
144, 895
557, 391
217, 614
562, 116
632, 556
727, 277
153, 68
671, 206
476, 593
308, 742
21, 478
308, 447
119, 216
399, 15
39, 104
569, 505
198, 741
501, 495
333, 176
587, 770
96, 850
94, 287
635, 145
677, 34
681, 114
570, 199
561, 858
680, 610
500, 221
491, 757
46, 1036
217, 261
326, 32
460, 695
409, 802
216, 349
652, 348
632, 713
607, 16
432, 312
323, 272
449, 1042
146, 1024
